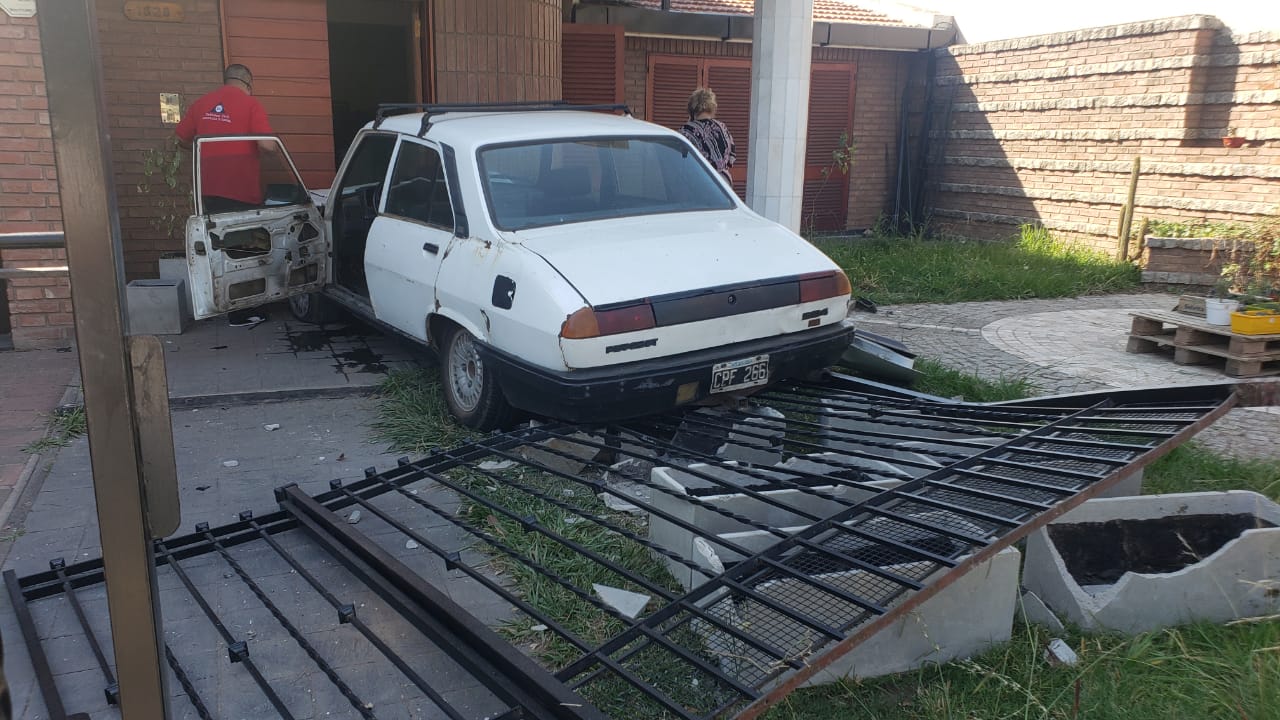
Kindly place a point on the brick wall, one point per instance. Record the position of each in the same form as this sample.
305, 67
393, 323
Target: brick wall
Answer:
881, 80
140, 60
497, 50
1044, 129
1190, 261
39, 308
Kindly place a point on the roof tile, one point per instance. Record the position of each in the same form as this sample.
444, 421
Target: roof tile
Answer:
843, 11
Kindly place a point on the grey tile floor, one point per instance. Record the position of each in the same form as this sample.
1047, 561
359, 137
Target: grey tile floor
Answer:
280, 355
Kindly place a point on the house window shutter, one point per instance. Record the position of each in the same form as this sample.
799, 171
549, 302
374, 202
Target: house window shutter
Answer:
671, 80
826, 188
730, 79
592, 64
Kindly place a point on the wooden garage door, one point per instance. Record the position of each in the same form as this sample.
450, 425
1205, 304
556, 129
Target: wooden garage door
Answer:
672, 78
285, 43
826, 187
591, 64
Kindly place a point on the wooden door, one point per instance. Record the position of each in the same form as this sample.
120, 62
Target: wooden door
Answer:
672, 78
826, 185
285, 43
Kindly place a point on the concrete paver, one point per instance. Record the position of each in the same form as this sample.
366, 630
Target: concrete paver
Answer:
31, 386
278, 356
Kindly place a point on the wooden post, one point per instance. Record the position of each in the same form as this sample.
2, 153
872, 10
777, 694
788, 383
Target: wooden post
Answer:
1142, 238
1126, 221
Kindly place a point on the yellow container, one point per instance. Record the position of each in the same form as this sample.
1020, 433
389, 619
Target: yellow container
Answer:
1256, 322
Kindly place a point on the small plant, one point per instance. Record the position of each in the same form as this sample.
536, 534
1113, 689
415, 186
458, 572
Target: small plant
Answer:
841, 163
1252, 262
164, 180
65, 425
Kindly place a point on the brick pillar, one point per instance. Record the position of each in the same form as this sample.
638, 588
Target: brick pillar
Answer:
39, 308
780, 60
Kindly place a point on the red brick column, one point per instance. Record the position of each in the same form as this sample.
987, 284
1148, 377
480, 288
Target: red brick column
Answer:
39, 308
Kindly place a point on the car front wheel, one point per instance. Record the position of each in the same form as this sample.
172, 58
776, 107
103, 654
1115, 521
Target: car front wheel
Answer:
470, 389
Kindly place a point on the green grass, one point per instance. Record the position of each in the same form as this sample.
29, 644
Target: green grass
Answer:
64, 426
938, 379
1193, 468
892, 270
412, 414
1196, 672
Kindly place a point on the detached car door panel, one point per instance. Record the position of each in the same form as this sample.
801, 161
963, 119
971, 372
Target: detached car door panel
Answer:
257, 236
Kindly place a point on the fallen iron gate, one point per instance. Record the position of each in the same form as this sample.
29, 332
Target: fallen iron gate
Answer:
760, 544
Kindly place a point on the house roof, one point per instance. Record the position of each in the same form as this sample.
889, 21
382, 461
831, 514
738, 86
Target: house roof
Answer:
838, 11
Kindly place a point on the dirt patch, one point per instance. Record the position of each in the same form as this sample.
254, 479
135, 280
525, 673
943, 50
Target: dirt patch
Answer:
1100, 553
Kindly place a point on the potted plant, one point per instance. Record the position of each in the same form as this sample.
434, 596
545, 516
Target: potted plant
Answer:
1219, 304
1231, 139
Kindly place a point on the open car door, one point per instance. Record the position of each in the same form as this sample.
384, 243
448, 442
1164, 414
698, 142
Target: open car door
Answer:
257, 236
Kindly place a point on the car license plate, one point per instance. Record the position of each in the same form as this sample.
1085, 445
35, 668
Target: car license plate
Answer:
739, 374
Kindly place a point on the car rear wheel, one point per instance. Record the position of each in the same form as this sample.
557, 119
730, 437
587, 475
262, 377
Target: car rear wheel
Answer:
311, 308
470, 389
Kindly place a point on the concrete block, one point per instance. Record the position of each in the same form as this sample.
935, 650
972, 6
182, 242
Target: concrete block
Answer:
173, 266
1135, 564
158, 307
1129, 486
964, 619
785, 509
849, 430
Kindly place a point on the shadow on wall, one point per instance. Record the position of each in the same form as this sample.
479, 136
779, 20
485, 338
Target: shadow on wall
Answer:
1045, 130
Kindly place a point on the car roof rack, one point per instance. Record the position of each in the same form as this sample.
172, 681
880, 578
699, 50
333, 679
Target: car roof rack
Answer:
429, 110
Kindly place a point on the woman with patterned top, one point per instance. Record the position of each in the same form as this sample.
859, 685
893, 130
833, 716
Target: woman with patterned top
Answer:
709, 135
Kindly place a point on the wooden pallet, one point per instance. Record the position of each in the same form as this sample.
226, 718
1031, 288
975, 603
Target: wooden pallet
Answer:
1196, 342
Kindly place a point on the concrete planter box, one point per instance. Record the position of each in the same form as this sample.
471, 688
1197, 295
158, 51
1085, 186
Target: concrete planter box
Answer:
158, 307
964, 619
1141, 563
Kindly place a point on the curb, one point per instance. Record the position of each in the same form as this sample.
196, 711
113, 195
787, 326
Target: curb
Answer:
267, 396
20, 487
71, 397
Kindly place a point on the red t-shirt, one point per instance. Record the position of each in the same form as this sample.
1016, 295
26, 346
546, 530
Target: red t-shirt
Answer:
229, 169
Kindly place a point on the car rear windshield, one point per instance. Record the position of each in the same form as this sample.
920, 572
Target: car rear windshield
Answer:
551, 182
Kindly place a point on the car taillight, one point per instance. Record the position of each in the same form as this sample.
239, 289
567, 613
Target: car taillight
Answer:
823, 286
589, 323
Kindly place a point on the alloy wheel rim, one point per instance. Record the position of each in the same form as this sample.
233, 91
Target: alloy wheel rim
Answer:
466, 372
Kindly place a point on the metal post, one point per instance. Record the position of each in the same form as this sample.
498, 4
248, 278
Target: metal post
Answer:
68, 38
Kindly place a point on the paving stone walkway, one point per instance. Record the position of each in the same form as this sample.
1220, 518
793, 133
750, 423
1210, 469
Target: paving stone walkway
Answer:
1064, 346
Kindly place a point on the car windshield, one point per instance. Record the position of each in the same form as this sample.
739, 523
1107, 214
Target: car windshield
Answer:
551, 182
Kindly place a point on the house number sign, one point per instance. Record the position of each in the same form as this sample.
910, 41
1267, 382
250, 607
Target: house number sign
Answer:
18, 8
154, 11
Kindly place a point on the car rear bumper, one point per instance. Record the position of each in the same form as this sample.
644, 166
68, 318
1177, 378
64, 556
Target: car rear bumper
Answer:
641, 388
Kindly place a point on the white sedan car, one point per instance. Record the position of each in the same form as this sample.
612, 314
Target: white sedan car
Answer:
580, 265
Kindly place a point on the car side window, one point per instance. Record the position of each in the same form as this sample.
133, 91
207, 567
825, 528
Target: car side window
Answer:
418, 188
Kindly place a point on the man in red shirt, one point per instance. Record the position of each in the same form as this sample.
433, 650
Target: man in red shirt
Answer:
230, 174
